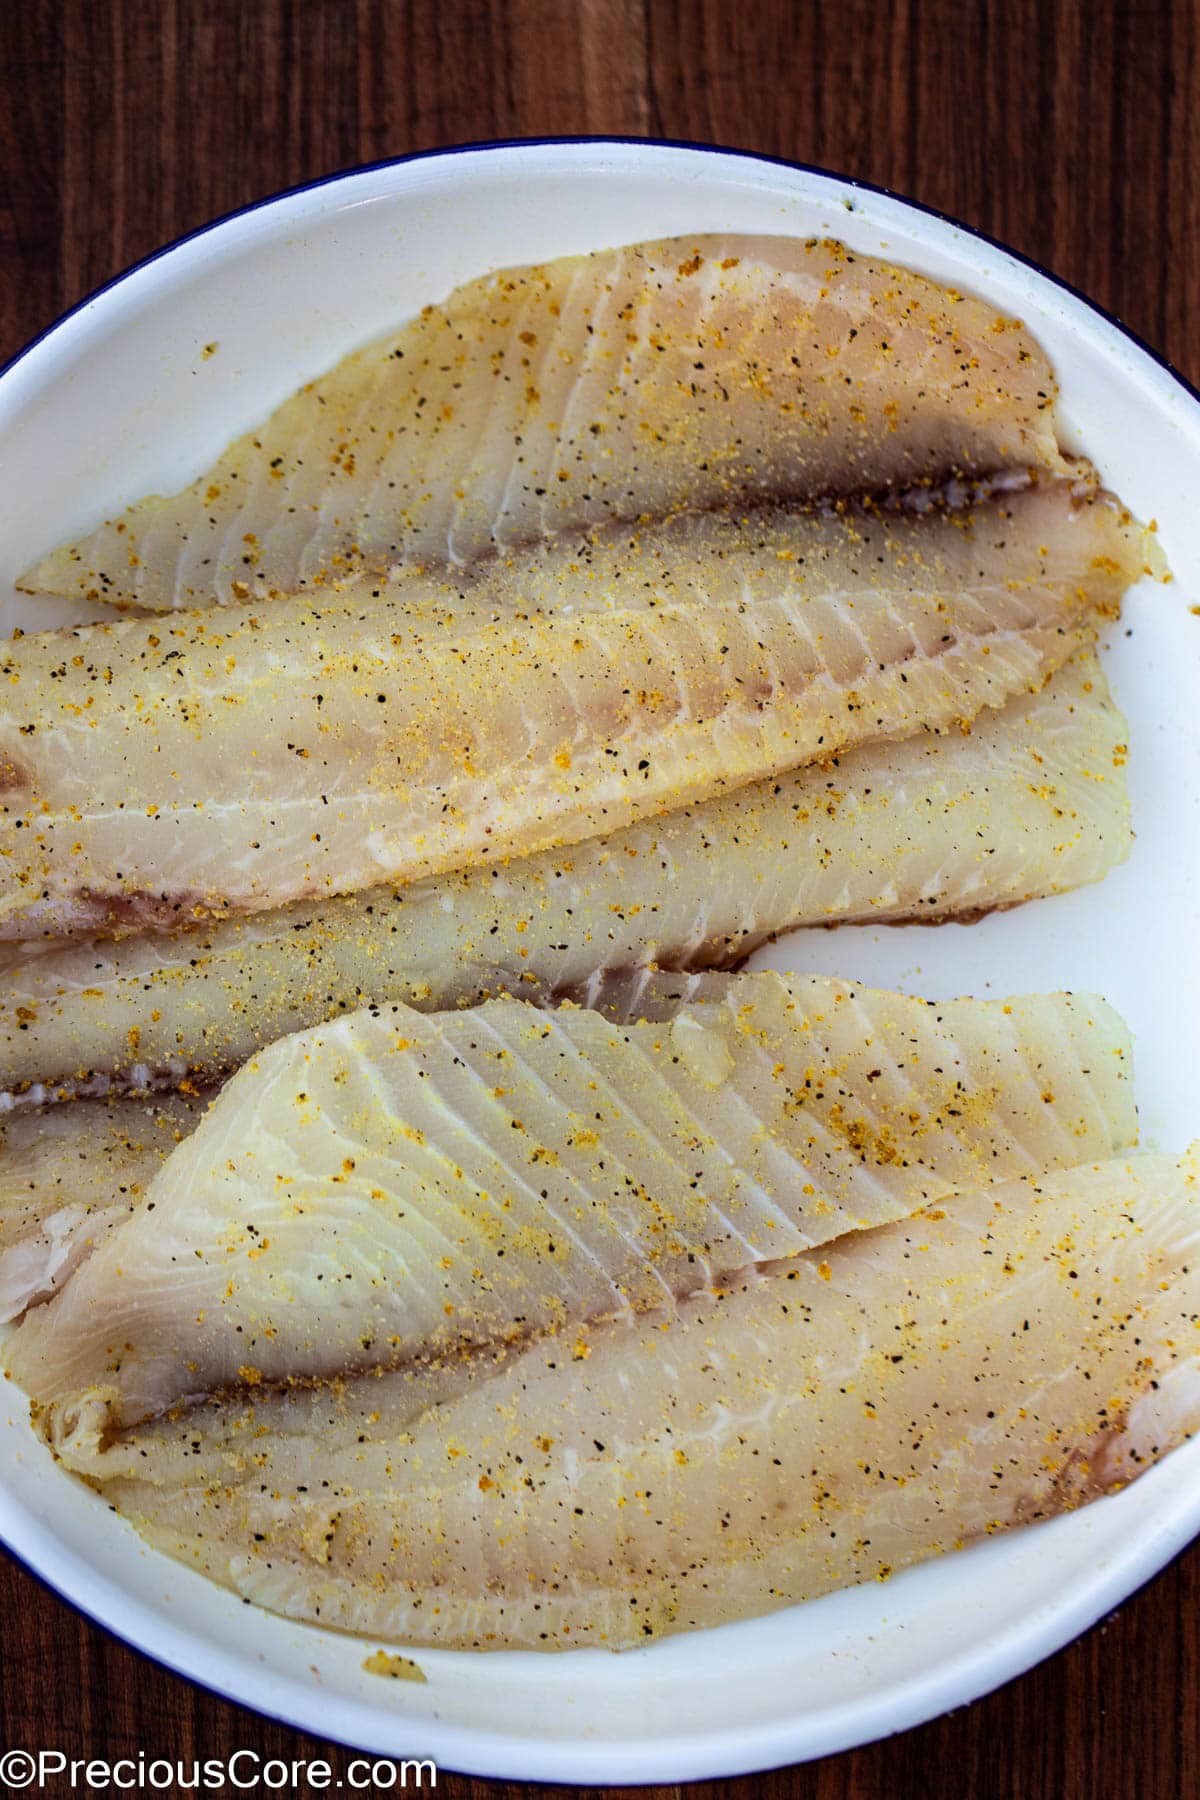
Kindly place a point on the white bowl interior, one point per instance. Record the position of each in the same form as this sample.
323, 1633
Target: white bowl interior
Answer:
121, 399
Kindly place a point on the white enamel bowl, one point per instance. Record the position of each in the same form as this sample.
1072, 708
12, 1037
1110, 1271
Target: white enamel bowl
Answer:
118, 399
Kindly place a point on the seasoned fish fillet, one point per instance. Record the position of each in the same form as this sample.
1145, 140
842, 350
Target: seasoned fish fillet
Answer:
1031, 801
67, 1173
1002, 1357
152, 773
398, 1183
699, 372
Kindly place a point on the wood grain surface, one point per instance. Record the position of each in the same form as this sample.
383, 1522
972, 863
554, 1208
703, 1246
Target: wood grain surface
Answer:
1069, 129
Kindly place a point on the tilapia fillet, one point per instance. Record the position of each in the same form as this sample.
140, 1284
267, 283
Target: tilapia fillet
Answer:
1032, 800
698, 372
67, 1174
890, 1397
397, 1184
233, 761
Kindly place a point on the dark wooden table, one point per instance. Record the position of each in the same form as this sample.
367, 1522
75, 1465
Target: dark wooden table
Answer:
1069, 129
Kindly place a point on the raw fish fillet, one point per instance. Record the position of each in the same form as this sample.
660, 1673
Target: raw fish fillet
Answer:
153, 773
1002, 1357
698, 372
68, 1173
1031, 801
397, 1184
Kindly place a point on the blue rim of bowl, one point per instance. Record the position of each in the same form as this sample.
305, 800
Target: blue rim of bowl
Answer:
598, 141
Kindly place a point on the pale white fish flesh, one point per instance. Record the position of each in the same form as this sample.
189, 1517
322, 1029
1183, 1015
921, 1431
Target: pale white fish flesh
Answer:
154, 773
67, 1174
1031, 801
396, 1184
890, 1397
701, 371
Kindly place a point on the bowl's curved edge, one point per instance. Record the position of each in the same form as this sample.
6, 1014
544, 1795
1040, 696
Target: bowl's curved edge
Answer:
678, 1759
599, 141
